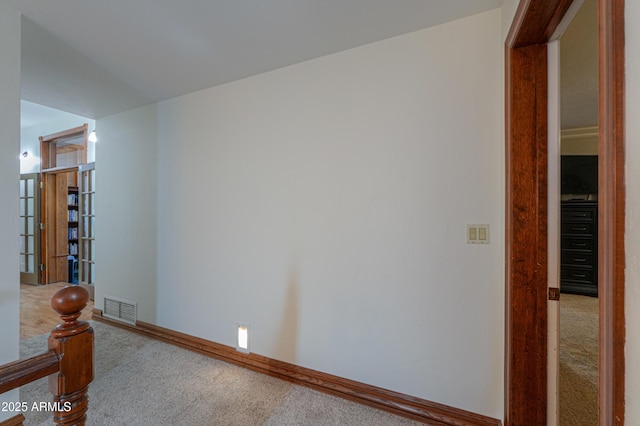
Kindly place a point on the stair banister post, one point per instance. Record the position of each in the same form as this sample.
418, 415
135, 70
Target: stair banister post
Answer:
72, 342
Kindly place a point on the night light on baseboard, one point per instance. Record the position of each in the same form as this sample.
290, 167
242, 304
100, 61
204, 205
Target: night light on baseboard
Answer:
242, 344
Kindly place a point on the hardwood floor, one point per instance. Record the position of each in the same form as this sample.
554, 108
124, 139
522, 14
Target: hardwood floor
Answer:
36, 315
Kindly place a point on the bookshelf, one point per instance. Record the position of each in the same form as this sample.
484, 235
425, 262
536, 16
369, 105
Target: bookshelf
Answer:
72, 232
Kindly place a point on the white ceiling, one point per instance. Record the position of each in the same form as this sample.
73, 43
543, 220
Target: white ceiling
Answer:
96, 57
33, 114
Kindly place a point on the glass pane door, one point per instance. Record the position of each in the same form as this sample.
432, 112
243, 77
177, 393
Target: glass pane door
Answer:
29, 229
87, 223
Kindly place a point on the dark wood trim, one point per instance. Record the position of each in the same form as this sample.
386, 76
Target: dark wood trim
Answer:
394, 402
65, 133
47, 141
526, 231
14, 421
21, 372
60, 170
611, 249
534, 23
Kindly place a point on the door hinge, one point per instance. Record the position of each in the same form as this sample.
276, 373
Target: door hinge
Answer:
554, 293
41, 184
41, 226
42, 267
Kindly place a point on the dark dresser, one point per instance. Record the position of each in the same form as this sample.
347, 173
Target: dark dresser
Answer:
579, 248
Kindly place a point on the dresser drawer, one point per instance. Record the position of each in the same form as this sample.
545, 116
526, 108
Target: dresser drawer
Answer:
578, 274
572, 258
578, 215
578, 228
576, 287
571, 243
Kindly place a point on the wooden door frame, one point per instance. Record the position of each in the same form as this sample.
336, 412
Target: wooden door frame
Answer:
50, 168
46, 151
526, 210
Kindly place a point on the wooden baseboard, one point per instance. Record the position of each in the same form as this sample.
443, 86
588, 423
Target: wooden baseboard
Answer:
394, 402
14, 421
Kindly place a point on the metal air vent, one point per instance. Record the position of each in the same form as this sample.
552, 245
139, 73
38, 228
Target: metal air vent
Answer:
121, 310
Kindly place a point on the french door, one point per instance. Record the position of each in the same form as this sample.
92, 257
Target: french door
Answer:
29, 228
87, 223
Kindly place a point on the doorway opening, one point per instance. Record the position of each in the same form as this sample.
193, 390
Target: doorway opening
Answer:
527, 211
573, 180
61, 154
57, 216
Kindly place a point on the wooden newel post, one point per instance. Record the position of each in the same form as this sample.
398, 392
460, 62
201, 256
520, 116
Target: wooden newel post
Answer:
72, 341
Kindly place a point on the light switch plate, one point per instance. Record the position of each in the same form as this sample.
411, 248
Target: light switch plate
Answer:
478, 234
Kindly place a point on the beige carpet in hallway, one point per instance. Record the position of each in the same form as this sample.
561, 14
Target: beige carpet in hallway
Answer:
578, 360
141, 381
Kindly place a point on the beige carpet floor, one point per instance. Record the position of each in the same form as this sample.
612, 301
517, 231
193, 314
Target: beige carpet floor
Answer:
578, 360
141, 381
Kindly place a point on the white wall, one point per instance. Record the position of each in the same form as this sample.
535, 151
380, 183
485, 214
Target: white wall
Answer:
9, 170
325, 203
582, 141
30, 142
509, 8
126, 230
632, 240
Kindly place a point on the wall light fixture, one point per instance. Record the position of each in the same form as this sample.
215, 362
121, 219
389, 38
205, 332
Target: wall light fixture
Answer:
243, 337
